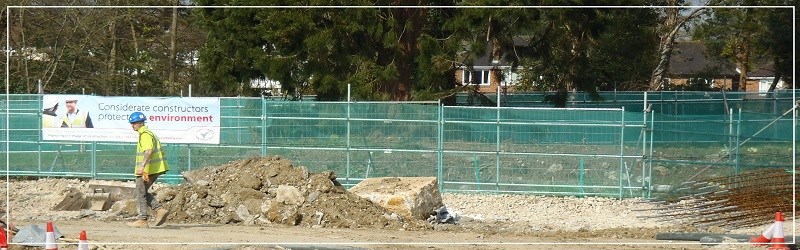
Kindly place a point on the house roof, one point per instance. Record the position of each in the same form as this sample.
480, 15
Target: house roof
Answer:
691, 58
486, 58
765, 70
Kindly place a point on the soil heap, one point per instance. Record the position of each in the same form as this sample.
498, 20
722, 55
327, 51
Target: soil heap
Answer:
265, 190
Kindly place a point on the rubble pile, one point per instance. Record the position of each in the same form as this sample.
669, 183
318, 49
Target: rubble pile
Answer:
259, 191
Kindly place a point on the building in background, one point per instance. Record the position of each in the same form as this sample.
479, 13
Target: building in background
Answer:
692, 68
481, 72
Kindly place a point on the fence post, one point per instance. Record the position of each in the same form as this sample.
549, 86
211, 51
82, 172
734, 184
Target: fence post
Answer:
238, 119
189, 157
40, 98
775, 113
440, 147
738, 147
94, 160
645, 177
347, 161
497, 146
621, 150
675, 104
732, 144
263, 127
650, 154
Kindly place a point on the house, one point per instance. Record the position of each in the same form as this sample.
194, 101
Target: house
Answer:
690, 68
761, 79
483, 68
691, 64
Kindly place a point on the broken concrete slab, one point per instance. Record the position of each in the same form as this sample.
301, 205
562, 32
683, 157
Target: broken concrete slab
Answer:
73, 201
411, 197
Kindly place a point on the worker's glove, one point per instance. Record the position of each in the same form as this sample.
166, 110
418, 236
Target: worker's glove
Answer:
145, 177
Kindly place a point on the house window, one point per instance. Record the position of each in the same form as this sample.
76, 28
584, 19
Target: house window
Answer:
486, 76
483, 77
466, 77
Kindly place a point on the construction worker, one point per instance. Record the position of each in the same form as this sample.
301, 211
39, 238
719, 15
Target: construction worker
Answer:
74, 117
150, 163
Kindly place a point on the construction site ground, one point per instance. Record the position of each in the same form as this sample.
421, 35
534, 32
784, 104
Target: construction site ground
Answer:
211, 215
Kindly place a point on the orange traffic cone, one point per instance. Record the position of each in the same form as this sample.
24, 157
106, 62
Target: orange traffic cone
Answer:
778, 241
764, 238
83, 242
3, 239
50, 238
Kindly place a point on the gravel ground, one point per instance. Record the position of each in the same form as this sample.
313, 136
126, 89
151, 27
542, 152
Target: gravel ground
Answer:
556, 213
33, 200
524, 216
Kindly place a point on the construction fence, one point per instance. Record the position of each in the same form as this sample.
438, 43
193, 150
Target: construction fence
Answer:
622, 148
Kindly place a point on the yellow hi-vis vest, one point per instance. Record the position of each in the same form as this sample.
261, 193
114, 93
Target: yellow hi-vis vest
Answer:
49, 121
78, 122
158, 161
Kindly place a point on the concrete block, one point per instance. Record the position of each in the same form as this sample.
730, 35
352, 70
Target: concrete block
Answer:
411, 197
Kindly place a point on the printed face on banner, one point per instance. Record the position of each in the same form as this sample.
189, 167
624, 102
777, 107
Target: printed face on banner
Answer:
96, 118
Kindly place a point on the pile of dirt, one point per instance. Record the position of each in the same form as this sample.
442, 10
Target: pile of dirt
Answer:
259, 191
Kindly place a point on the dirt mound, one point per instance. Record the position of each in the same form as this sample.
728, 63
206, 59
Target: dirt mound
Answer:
259, 191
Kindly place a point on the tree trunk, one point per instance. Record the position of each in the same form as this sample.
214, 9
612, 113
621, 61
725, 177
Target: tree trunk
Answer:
21, 51
173, 37
774, 83
135, 78
408, 35
112, 55
495, 72
665, 55
666, 44
743, 62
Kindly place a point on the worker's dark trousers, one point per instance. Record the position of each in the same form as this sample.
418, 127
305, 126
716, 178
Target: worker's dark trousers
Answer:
145, 200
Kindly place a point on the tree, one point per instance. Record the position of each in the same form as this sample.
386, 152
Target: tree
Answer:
673, 20
375, 50
113, 51
589, 50
478, 32
777, 40
434, 76
733, 33
624, 52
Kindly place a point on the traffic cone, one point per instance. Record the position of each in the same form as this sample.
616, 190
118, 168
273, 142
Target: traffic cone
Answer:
50, 238
778, 241
3, 239
83, 242
764, 238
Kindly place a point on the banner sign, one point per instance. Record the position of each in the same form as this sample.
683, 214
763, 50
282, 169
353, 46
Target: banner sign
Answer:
97, 118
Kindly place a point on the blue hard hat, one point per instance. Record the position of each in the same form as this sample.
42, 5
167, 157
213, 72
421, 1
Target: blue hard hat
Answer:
136, 117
